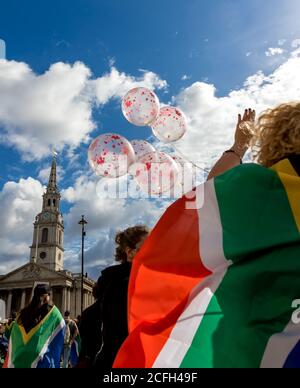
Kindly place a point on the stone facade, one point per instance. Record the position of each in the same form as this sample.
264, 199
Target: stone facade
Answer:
17, 286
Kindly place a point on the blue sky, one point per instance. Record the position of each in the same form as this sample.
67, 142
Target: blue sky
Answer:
220, 43
194, 37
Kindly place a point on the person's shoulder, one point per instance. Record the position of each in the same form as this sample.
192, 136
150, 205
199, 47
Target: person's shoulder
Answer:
72, 322
86, 312
244, 171
246, 167
89, 310
54, 310
114, 270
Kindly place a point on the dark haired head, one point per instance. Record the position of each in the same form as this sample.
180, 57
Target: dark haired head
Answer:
40, 298
129, 238
41, 289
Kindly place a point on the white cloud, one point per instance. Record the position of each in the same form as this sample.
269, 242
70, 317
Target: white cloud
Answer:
295, 43
281, 42
44, 173
38, 111
99, 254
105, 216
185, 77
212, 119
274, 51
55, 108
104, 212
63, 43
20, 202
116, 84
248, 54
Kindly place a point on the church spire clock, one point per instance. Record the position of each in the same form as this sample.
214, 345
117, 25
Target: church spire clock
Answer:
47, 244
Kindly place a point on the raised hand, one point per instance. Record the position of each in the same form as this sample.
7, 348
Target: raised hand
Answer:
243, 132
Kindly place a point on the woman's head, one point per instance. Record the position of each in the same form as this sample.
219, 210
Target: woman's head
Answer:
129, 241
41, 295
277, 134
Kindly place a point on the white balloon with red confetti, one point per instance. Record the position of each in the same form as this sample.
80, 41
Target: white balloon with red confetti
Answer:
110, 155
155, 173
141, 148
187, 174
140, 106
170, 124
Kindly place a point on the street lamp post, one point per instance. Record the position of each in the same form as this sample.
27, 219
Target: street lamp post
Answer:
82, 222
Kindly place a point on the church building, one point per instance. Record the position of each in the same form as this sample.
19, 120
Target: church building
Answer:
45, 264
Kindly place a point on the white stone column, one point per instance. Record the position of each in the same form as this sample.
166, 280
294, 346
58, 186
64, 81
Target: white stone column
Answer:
68, 299
85, 300
74, 297
64, 300
78, 301
8, 304
23, 299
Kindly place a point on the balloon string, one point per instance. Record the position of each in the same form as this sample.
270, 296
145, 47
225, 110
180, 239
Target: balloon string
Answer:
194, 164
151, 137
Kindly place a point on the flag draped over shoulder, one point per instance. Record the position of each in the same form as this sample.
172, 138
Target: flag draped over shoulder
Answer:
75, 350
214, 285
8, 330
41, 347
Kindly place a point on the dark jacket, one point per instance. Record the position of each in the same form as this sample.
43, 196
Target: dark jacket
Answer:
30, 318
90, 334
114, 286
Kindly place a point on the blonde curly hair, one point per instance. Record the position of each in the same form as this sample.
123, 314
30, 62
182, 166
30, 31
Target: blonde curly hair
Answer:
277, 134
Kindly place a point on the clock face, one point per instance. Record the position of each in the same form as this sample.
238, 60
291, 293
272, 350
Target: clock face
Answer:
43, 255
46, 216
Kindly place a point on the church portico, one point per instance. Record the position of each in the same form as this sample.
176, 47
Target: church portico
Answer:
16, 290
46, 263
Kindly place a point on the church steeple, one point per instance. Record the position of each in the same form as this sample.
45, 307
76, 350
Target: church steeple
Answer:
51, 198
47, 244
52, 186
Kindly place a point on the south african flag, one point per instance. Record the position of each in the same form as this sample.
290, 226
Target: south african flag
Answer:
217, 282
41, 347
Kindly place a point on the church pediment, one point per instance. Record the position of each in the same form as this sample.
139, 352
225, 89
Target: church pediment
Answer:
31, 271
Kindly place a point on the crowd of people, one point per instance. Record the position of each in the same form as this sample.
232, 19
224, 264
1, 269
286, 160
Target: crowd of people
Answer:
91, 340
103, 327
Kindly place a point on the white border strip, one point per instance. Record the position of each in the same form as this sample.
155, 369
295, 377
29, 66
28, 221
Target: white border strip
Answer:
280, 346
211, 231
45, 347
183, 333
212, 256
9, 362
